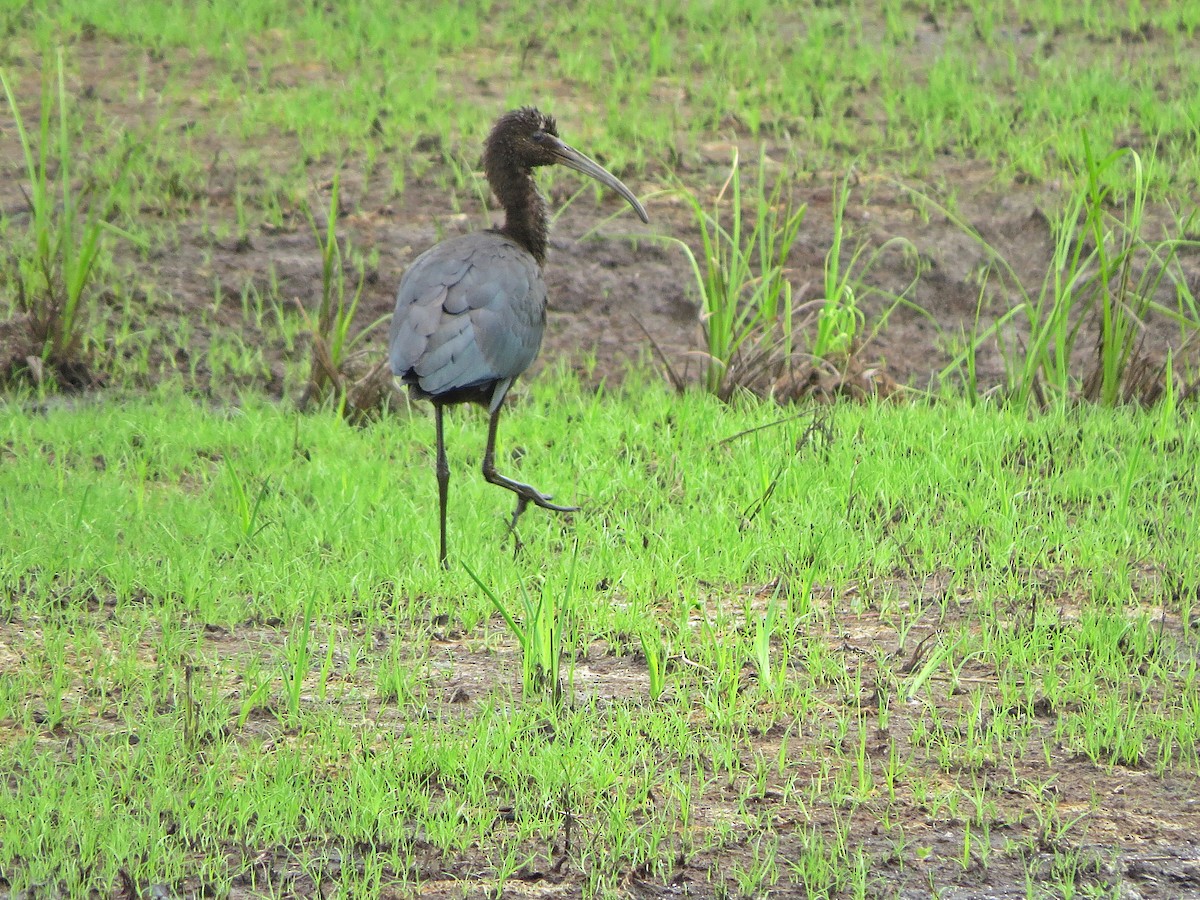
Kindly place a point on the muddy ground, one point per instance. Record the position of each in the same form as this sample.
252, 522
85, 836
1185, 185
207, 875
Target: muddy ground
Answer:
616, 301
613, 302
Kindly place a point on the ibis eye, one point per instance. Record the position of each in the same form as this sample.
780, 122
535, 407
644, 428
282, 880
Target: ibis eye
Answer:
539, 137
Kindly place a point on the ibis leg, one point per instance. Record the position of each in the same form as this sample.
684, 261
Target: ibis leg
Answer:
526, 494
443, 480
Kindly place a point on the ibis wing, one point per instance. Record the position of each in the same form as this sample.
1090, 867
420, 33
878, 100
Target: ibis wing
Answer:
470, 310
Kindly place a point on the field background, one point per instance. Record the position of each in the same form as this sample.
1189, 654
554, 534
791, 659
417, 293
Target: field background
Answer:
944, 644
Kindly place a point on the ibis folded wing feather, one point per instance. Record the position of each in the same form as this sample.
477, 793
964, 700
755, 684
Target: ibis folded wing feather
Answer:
470, 311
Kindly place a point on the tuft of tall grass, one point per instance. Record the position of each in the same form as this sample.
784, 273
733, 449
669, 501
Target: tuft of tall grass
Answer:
743, 280
757, 337
1103, 278
544, 632
335, 369
841, 333
53, 270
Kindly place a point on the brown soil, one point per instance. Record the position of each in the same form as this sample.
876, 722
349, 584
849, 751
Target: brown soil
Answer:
611, 302
616, 302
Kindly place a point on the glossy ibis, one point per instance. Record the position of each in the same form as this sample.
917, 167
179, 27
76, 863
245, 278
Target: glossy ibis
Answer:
471, 310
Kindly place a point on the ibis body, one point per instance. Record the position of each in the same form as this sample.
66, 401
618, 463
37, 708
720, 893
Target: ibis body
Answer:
471, 310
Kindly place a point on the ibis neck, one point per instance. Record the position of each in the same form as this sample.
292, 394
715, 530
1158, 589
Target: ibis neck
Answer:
525, 217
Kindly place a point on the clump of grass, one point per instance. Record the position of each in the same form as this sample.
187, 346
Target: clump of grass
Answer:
337, 370
655, 654
747, 316
51, 272
1103, 279
839, 319
757, 338
543, 633
835, 349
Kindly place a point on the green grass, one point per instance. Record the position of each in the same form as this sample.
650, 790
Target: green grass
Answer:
1107, 271
55, 263
198, 598
905, 83
333, 375
742, 279
850, 650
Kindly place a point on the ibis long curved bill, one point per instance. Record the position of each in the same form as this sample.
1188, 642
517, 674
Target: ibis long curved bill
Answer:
566, 155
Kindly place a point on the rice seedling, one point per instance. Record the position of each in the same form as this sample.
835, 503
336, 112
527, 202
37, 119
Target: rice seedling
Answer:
840, 322
335, 369
1104, 278
54, 267
544, 634
743, 283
